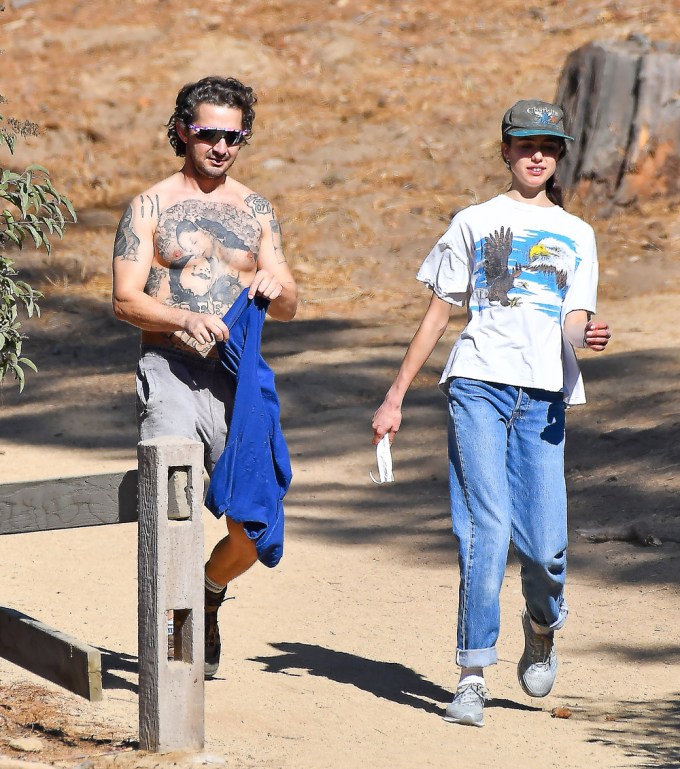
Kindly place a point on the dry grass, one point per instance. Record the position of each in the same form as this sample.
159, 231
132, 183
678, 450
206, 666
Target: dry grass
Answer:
28, 711
376, 121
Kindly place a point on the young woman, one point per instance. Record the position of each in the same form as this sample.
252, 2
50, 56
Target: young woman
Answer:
526, 271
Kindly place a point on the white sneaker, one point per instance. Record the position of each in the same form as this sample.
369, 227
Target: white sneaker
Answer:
537, 667
468, 705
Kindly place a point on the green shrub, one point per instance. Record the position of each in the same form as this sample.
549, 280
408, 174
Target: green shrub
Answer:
31, 210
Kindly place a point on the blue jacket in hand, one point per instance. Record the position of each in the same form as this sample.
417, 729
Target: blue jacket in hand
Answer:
253, 474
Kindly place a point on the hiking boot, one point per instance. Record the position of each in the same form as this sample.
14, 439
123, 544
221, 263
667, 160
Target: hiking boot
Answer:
537, 667
213, 646
468, 705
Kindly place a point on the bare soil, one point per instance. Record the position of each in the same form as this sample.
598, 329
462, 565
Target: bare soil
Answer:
376, 122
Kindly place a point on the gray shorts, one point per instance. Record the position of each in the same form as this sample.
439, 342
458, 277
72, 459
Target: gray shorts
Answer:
180, 394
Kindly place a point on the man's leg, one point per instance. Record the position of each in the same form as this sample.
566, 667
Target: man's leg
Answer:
231, 557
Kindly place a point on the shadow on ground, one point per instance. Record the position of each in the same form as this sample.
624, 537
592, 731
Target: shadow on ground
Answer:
615, 472
124, 663
646, 729
388, 680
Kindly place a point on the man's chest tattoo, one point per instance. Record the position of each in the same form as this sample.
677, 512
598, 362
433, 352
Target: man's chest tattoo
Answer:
202, 250
192, 225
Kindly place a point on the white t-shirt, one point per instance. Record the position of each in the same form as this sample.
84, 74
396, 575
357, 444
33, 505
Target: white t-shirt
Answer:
520, 269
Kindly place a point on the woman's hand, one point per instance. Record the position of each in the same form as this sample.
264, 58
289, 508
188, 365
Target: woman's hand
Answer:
596, 335
386, 420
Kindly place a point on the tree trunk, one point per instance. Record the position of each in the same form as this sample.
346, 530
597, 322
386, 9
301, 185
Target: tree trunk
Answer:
622, 106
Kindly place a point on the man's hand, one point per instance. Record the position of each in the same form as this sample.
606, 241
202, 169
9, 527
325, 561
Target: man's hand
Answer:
206, 329
596, 336
265, 284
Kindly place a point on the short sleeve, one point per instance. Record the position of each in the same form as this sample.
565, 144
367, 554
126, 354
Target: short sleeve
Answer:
582, 292
446, 269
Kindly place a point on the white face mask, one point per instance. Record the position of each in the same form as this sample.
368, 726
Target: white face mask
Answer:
384, 460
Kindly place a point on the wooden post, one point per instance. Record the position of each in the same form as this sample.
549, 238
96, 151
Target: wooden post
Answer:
622, 107
171, 681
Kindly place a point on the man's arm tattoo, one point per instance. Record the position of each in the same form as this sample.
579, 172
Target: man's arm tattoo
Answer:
262, 207
126, 243
277, 240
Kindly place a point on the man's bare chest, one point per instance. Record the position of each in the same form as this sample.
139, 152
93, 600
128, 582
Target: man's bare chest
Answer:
226, 237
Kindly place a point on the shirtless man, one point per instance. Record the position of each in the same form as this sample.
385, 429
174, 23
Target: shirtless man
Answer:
184, 251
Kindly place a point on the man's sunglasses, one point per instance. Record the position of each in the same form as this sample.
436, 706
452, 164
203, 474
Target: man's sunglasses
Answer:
215, 135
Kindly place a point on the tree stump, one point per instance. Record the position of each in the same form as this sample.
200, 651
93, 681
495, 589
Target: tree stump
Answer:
622, 106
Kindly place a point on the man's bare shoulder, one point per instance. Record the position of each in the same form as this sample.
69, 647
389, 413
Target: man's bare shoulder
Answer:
162, 194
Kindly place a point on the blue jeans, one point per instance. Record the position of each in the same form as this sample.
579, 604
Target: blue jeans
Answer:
506, 478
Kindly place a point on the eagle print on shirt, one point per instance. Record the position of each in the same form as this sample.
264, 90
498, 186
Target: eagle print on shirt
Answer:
536, 266
499, 279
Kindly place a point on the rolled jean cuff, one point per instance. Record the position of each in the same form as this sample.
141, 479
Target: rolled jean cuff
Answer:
557, 624
476, 658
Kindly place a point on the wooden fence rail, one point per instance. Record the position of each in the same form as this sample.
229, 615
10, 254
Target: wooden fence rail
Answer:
165, 496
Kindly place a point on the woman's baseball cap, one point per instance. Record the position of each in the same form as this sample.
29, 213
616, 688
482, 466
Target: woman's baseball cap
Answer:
530, 117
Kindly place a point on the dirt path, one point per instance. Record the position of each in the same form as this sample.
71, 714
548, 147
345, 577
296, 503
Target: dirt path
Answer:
343, 655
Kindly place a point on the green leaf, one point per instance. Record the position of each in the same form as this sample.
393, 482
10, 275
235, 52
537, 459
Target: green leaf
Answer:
24, 201
29, 363
20, 377
14, 236
37, 235
70, 208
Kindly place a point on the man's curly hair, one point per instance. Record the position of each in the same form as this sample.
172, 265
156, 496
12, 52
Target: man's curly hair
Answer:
220, 91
